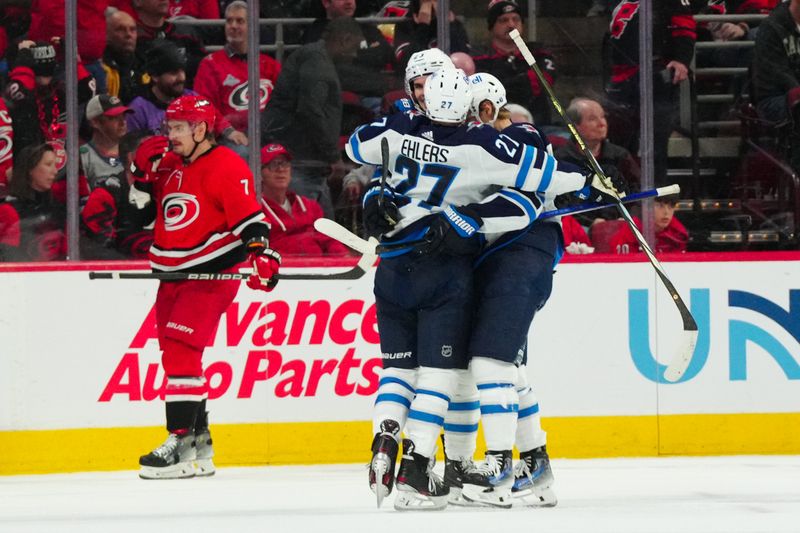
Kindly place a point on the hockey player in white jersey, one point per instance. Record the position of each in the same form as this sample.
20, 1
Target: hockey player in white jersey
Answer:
424, 296
513, 278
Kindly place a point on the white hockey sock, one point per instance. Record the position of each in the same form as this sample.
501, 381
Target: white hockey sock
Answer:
499, 401
434, 389
395, 393
530, 434
461, 420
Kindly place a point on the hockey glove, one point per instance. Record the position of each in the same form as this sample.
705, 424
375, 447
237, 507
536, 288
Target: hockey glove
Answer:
454, 232
266, 263
147, 158
595, 190
377, 218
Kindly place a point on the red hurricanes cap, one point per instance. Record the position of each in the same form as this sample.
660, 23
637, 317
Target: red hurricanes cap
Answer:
271, 151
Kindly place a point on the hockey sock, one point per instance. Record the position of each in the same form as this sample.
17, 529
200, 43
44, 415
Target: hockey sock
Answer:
529, 427
395, 393
462, 417
434, 389
499, 401
183, 396
201, 423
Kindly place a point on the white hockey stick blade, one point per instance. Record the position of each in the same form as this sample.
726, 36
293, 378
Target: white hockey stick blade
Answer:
338, 232
680, 362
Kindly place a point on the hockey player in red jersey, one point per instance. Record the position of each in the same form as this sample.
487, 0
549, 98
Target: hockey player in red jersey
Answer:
207, 219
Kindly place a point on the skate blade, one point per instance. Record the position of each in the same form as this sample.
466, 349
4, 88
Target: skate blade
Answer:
530, 498
380, 467
491, 497
204, 468
178, 471
411, 500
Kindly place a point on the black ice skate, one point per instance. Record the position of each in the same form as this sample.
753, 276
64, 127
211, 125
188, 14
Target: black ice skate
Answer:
173, 459
418, 488
491, 482
456, 470
384, 457
533, 479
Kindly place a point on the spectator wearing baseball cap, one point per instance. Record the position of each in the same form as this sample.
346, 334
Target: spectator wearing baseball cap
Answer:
100, 155
504, 61
165, 66
290, 215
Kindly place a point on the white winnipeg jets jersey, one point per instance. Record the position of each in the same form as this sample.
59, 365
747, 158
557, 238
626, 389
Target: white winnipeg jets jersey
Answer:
434, 166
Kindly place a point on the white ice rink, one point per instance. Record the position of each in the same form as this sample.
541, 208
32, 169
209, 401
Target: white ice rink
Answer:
709, 495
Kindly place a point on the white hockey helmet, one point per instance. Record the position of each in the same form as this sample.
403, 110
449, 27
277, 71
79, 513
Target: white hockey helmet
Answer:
484, 86
423, 63
447, 96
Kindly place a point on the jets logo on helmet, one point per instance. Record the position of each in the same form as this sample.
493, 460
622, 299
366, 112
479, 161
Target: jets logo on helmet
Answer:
448, 96
484, 86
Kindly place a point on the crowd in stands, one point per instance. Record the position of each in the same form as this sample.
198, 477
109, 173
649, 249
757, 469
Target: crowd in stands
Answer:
137, 56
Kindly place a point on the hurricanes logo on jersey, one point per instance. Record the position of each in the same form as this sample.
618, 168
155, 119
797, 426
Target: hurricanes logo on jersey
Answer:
623, 14
180, 210
240, 96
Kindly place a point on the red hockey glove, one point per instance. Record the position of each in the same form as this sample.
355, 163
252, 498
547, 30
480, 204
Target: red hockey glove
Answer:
148, 156
266, 263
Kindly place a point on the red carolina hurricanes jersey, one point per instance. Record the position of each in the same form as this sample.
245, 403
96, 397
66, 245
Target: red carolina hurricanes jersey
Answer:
222, 78
201, 210
6, 142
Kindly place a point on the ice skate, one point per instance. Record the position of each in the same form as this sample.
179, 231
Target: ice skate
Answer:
533, 480
204, 464
491, 481
173, 459
456, 470
384, 457
418, 488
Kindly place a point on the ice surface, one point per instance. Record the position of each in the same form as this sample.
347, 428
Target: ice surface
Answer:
716, 494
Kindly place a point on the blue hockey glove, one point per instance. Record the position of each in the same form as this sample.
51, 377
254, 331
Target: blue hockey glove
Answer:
377, 218
454, 232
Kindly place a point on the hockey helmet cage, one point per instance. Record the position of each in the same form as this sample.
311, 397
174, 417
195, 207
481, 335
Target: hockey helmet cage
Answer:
448, 96
423, 63
192, 108
484, 86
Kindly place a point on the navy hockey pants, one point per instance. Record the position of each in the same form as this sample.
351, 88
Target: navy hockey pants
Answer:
424, 306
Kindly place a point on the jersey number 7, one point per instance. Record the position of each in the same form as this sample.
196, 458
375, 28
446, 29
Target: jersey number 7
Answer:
444, 175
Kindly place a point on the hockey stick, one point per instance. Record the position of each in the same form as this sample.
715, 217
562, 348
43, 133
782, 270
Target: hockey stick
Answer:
343, 235
364, 264
679, 363
384, 175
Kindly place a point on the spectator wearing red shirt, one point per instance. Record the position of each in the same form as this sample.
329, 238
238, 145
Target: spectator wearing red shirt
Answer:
222, 75
671, 235
290, 215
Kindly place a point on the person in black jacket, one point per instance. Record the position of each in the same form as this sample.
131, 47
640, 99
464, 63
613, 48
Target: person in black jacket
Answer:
32, 222
776, 69
674, 36
362, 75
419, 33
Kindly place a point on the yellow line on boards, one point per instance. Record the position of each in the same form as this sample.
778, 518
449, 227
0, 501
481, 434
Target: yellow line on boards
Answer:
93, 449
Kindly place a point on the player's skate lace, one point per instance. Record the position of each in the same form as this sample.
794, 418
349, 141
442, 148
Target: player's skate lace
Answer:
168, 448
522, 469
490, 466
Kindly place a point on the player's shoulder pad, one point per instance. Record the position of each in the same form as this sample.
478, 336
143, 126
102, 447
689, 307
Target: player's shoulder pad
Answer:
526, 133
402, 105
